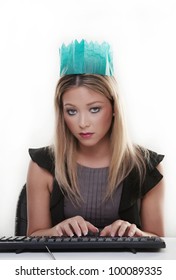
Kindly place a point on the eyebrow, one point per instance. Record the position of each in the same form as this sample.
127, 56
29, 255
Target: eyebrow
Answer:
91, 103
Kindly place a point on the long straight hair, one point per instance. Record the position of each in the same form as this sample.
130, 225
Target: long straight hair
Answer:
124, 154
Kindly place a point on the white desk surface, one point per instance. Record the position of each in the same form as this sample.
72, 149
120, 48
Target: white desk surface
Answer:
169, 253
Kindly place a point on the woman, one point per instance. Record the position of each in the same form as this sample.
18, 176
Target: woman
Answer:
93, 179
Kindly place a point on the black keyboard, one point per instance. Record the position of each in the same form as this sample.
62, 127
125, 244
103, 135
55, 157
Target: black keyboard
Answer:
87, 243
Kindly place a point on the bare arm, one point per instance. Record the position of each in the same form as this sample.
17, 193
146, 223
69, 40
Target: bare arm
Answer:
152, 208
39, 187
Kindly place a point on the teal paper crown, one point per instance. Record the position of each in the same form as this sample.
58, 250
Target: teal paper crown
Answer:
86, 58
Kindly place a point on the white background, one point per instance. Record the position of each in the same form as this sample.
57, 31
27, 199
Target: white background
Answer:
142, 34
130, 269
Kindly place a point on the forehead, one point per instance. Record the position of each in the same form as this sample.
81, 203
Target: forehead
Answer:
82, 95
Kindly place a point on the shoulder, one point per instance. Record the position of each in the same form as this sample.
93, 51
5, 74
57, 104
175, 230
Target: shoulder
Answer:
150, 157
150, 176
153, 159
44, 158
153, 174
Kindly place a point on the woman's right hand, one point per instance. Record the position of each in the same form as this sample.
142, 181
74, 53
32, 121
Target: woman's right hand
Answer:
75, 226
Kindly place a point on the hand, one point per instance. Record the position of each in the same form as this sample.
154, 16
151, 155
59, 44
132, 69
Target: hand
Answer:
76, 225
121, 228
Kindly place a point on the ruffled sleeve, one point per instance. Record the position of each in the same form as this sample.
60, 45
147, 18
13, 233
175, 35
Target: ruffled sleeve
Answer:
153, 176
44, 157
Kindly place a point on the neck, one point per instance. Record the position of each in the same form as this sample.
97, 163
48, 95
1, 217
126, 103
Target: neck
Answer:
96, 156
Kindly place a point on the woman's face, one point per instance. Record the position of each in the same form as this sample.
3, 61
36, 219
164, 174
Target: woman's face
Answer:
88, 115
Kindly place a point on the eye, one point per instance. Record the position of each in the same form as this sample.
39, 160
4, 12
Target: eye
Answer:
71, 112
95, 109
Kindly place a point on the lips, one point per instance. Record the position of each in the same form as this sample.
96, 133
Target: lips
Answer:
86, 134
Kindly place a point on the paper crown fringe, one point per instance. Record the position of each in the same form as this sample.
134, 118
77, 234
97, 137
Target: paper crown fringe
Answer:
86, 58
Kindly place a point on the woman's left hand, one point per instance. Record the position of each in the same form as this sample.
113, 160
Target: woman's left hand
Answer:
121, 228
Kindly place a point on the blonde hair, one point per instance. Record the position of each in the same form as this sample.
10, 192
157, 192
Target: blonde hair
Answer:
124, 155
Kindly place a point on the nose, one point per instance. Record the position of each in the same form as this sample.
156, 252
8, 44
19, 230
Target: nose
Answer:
84, 121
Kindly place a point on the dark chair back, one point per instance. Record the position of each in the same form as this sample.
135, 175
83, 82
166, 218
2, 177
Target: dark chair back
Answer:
21, 214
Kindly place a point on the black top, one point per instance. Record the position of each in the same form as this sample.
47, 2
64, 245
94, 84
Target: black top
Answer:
132, 192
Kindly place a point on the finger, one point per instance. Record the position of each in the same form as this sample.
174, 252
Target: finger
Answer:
80, 227
139, 233
67, 229
132, 230
105, 231
91, 227
84, 228
59, 230
115, 227
122, 229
